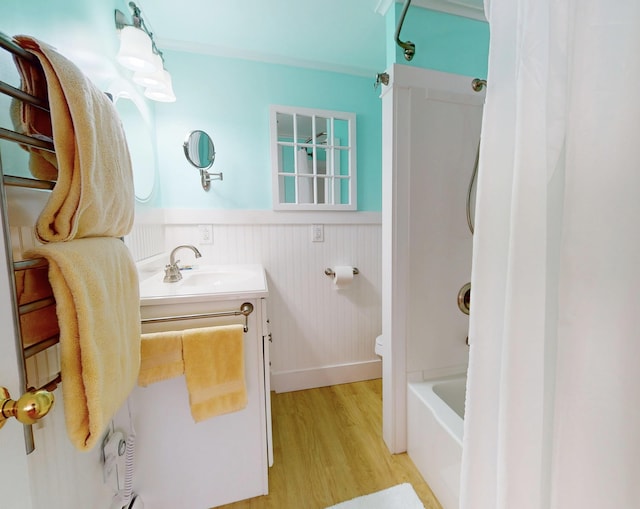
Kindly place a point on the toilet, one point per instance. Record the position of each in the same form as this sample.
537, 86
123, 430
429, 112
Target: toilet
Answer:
378, 347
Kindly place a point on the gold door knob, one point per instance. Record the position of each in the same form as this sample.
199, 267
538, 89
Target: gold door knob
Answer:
29, 408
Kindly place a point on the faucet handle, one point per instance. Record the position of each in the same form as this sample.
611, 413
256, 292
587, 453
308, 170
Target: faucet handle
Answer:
172, 273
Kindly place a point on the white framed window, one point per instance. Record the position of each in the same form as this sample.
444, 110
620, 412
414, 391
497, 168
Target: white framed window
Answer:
313, 158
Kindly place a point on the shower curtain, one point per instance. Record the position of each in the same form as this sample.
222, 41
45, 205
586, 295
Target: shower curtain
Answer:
553, 416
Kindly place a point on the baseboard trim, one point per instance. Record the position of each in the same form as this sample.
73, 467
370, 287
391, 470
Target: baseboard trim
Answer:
287, 381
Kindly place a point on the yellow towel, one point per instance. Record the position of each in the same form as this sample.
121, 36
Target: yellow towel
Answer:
214, 370
93, 195
95, 285
160, 357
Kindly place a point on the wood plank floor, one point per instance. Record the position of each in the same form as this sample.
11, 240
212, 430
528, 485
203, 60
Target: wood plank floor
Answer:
328, 448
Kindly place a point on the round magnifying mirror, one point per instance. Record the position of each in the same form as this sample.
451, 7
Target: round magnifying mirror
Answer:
199, 149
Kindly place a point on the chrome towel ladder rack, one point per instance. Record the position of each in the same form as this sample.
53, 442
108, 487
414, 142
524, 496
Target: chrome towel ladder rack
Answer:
33, 303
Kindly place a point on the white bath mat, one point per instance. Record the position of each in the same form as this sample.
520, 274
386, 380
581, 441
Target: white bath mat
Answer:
401, 496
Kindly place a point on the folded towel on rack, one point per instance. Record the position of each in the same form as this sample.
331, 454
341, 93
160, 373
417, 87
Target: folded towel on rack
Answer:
95, 285
160, 357
214, 370
93, 195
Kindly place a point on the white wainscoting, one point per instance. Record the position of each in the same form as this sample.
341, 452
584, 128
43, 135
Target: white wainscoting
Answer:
321, 336
145, 240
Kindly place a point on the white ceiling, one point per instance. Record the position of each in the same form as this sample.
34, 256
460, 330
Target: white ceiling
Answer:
342, 35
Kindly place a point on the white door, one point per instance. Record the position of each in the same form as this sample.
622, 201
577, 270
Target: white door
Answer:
14, 474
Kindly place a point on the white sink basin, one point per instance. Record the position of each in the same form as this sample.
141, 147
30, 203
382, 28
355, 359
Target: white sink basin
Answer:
205, 280
215, 277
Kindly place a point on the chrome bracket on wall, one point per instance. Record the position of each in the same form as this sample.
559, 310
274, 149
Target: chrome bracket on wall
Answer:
206, 178
381, 77
478, 84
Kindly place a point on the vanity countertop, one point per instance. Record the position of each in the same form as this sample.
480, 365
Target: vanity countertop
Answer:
202, 283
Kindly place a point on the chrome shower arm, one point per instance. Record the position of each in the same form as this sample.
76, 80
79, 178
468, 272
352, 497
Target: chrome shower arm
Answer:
408, 47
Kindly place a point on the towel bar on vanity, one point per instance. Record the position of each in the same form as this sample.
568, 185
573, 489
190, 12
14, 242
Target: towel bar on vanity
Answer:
245, 309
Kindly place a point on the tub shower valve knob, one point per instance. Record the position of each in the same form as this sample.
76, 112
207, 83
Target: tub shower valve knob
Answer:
464, 299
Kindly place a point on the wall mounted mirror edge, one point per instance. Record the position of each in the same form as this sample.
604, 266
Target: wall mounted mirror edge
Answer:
136, 117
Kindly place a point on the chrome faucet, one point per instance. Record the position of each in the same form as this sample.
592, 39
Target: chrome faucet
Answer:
172, 272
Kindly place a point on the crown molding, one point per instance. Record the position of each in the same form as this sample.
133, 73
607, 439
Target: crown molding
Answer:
473, 9
269, 58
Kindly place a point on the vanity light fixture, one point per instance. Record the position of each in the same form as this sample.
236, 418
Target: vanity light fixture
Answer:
150, 78
138, 52
135, 50
163, 92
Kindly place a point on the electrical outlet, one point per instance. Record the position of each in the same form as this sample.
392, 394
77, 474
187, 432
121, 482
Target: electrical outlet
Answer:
317, 233
205, 233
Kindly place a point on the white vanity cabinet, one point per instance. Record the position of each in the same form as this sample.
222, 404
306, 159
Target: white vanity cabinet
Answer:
221, 460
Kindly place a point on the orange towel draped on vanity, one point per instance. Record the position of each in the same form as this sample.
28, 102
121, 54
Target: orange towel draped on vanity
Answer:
214, 370
161, 357
212, 360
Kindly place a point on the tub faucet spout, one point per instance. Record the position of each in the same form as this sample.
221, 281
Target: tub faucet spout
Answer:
172, 273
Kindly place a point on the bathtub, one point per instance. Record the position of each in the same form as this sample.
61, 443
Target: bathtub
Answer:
435, 419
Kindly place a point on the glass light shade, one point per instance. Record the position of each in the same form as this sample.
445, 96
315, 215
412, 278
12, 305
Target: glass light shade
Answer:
153, 79
135, 50
164, 93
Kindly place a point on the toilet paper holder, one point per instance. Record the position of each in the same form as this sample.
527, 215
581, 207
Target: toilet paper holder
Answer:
330, 272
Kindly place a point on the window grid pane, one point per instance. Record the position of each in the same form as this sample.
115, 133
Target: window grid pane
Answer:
314, 159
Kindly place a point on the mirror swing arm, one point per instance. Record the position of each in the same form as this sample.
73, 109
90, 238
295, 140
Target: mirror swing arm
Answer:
200, 152
206, 178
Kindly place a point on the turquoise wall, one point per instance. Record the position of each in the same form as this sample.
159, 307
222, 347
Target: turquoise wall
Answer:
230, 98
443, 42
82, 30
